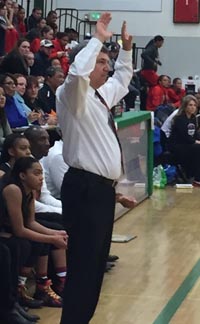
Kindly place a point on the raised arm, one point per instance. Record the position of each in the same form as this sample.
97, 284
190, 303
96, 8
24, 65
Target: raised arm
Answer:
101, 31
126, 38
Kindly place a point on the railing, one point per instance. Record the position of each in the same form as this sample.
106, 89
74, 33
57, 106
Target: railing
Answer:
69, 17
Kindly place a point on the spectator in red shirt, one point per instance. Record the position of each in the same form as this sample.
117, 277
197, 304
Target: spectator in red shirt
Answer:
21, 26
158, 95
45, 33
176, 93
60, 52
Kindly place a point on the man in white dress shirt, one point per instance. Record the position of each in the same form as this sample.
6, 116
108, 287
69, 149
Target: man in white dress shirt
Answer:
92, 151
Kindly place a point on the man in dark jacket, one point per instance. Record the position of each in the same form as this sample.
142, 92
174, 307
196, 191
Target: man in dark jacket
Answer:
150, 58
32, 20
42, 62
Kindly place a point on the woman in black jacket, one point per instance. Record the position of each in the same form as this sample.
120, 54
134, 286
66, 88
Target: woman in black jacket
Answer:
184, 141
14, 61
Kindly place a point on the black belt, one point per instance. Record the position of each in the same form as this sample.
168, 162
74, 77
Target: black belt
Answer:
93, 176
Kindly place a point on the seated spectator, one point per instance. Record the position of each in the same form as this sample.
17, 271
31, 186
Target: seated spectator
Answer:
184, 141
30, 58
15, 147
32, 116
32, 20
158, 95
46, 95
55, 63
17, 200
31, 100
11, 33
72, 38
59, 50
14, 62
113, 54
13, 108
42, 63
45, 33
51, 21
176, 93
36, 32
4, 125
54, 176
3, 27
21, 26
39, 141
15, 7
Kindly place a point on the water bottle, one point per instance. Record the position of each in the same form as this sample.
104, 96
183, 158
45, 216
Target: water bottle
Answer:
137, 103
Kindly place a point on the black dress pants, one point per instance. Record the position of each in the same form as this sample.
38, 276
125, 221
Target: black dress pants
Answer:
88, 215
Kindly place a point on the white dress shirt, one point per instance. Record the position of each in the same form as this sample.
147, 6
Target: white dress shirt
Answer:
46, 202
55, 168
89, 142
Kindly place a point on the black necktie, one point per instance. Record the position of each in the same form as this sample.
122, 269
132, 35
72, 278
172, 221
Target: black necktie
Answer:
111, 123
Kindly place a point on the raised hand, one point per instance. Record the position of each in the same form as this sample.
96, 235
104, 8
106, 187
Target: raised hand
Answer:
126, 38
101, 27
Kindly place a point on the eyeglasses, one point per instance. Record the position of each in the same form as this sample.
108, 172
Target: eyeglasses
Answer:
10, 83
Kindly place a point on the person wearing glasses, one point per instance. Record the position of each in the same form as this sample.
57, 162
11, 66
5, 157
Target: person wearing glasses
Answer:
15, 112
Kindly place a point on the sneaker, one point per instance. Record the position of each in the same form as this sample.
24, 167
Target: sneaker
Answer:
23, 313
112, 258
196, 183
58, 286
26, 300
47, 295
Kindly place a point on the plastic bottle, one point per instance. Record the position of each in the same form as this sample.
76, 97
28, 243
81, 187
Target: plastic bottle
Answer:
159, 177
137, 103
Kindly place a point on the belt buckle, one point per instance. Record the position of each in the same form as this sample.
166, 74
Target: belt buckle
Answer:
114, 183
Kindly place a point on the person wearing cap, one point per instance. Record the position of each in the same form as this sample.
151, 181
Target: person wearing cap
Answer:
42, 62
113, 54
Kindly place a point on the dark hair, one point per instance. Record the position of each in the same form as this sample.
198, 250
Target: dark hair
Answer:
19, 75
51, 12
22, 165
36, 9
158, 38
32, 131
10, 142
51, 71
161, 77
79, 47
45, 29
4, 76
32, 80
2, 5
60, 35
175, 80
20, 41
3, 118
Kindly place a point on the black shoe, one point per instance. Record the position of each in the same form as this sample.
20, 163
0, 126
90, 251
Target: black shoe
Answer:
13, 317
26, 300
112, 258
108, 267
110, 264
22, 312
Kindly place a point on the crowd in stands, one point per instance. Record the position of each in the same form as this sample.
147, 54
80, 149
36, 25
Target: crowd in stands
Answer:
34, 61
